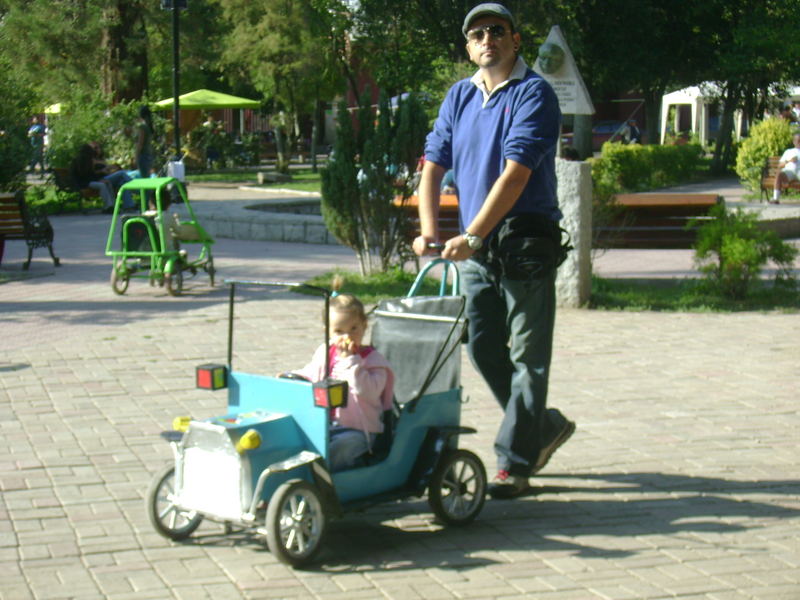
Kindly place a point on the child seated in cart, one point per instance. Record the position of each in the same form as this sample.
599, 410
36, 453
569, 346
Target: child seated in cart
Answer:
369, 377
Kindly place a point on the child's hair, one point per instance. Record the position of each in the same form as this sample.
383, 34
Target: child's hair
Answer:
345, 302
349, 304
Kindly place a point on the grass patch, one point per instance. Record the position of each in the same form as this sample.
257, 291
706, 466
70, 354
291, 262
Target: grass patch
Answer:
687, 295
303, 179
667, 295
374, 288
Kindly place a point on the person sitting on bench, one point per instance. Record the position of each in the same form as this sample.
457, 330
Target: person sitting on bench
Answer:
788, 166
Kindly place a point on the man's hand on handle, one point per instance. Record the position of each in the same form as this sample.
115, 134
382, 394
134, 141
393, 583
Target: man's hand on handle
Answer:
453, 249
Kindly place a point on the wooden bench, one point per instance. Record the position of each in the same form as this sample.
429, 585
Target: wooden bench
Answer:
654, 220
67, 188
448, 215
19, 222
768, 174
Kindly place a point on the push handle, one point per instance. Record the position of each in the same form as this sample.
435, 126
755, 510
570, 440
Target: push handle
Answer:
455, 289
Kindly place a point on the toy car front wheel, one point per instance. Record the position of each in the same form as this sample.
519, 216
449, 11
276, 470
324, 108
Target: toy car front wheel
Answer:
296, 523
457, 488
120, 278
168, 519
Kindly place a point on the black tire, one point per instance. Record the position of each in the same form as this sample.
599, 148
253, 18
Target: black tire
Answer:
457, 489
119, 283
296, 523
174, 283
209, 268
167, 519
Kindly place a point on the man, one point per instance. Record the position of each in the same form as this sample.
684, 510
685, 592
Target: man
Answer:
498, 132
633, 134
788, 166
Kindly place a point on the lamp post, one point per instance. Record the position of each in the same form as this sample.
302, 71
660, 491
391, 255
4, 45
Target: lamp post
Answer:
174, 6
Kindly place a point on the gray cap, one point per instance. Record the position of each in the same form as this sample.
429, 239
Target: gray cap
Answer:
485, 9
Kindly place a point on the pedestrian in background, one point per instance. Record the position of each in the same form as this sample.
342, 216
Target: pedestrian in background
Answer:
36, 136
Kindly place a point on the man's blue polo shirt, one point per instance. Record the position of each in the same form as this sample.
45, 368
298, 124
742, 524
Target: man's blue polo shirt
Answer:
474, 135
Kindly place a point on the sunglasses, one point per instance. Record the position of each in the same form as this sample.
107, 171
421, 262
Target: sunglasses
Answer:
496, 32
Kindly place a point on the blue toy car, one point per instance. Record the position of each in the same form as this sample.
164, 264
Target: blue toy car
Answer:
262, 465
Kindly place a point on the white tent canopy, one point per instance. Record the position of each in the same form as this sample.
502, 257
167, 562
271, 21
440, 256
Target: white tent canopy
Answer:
699, 98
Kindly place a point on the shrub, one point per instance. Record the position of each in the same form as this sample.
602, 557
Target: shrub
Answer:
87, 119
731, 249
370, 166
632, 168
767, 138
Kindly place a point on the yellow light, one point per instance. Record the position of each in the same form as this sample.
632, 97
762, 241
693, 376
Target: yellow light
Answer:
181, 423
250, 440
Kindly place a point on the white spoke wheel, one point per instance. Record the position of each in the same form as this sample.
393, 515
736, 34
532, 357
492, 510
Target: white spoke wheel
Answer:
168, 519
457, 488
296, 523
175, 282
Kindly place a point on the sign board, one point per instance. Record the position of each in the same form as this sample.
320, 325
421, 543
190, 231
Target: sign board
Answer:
556, 64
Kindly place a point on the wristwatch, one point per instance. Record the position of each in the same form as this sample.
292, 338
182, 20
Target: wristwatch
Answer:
475, 242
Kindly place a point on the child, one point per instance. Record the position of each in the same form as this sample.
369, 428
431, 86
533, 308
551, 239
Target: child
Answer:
368, 375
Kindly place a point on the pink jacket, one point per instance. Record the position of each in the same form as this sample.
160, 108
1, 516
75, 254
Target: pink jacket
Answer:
370, 382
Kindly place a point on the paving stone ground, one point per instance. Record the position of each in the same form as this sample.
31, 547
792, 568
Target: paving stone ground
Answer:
682, 480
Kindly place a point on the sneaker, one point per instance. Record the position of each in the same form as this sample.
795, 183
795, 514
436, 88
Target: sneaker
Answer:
547, 451
506, 485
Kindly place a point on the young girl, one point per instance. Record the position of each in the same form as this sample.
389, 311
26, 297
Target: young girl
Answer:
368, 375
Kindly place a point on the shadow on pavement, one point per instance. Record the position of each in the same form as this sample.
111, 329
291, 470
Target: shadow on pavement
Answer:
403, 535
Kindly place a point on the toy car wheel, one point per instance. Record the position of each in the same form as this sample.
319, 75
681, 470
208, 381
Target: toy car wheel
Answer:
119, 281
174, 282
209, 268
168, 519
296, 523
457, 488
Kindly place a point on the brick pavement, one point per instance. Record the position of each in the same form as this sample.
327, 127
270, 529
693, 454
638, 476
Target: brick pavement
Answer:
681, 481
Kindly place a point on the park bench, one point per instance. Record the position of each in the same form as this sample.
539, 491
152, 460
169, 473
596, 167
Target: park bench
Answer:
448, 215
768, 174
67, 188
19, 222
651, 220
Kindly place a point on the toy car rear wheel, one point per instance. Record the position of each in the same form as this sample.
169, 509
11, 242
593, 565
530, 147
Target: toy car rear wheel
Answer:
168, 519
174, 282
209, 268
457, 489
296, 523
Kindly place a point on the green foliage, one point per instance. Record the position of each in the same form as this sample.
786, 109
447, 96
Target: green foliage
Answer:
731, 250
767, 138
687, 295
85, 119
15, 148
631, 168
369, 167
122, 48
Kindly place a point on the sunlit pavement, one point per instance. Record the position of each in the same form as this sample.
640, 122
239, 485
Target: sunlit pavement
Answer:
680, 482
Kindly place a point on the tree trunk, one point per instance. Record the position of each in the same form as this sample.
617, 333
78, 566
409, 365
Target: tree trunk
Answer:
723, 150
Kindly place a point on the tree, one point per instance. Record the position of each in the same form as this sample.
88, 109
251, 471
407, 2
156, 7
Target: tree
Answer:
370, 167
115, 46
283, 48
15, 149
